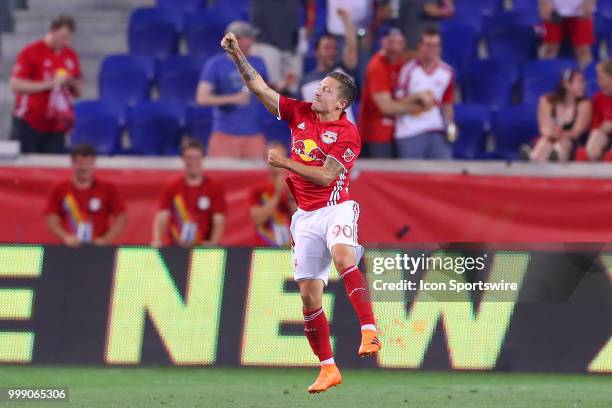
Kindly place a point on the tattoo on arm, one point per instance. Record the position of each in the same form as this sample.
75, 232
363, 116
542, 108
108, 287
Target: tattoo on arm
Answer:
246, 69
333, 167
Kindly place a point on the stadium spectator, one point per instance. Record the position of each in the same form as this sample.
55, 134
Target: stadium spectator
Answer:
326, 53
192, 207
563, 117
600, 137
45, 78
236, 130
571, 17
417, 16
277, 43
422, 133
272, 206
85, 209
378, 108
360, 16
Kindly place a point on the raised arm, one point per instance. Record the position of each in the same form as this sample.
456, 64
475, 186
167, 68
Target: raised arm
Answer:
350, 52
251, 78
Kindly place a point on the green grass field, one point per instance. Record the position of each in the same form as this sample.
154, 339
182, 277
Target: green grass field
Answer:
247, 387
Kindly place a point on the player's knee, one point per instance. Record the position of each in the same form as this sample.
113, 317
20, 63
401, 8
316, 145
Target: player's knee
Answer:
311, 300
343, 261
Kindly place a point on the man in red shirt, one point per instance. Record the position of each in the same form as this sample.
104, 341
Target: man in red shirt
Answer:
44, 68
325, 146
600, 138
378, 107
192, 207
85, 209
272, 206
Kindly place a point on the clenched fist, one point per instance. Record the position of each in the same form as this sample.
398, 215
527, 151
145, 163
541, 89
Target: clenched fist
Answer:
229, 43
276, 158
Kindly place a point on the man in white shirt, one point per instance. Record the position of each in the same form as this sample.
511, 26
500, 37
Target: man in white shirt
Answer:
568, 17
360, 15
326, 52
422, 134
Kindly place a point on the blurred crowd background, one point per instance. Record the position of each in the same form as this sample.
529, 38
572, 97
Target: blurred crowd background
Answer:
439, 79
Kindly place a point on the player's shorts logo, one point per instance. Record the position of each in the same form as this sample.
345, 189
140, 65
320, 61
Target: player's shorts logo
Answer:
329, 137
308, 150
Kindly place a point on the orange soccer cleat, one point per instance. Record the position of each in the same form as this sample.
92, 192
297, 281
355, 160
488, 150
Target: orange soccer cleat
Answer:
370, 344
328, 377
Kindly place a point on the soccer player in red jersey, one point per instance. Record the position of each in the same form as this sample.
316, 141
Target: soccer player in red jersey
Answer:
325, 146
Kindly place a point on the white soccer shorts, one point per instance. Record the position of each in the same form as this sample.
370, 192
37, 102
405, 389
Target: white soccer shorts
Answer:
314, 233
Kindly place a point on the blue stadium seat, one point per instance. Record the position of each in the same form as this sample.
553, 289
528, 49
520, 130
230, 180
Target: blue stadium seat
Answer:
485, 8
511, 36
494, 91
177, 78
515, 44
183, 5
590, 76
100, 124
603, 29
204, 30
542, 76
504, 68
199, 123
154, 32
470, 18
473, 12
512, 127
277, 130
473, 122
604, 7
235, 9
459, 43
155, 128
527, 6
510, 19
126, 79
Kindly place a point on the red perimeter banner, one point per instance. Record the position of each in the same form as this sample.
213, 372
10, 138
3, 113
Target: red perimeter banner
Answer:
395, 206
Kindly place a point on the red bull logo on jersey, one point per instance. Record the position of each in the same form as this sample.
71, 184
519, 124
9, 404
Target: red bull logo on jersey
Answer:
308, 150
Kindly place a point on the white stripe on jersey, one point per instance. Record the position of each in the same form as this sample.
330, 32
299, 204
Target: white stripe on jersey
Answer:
335, 194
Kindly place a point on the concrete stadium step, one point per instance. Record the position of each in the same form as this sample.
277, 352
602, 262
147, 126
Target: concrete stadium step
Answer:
39, 27
6, 66
87, 4
82, 17
6, 107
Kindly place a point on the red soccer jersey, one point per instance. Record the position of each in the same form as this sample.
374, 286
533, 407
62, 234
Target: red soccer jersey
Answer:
94, 205
381, 76
602, 109
38, 62
312, 141
189, 205
275, 232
